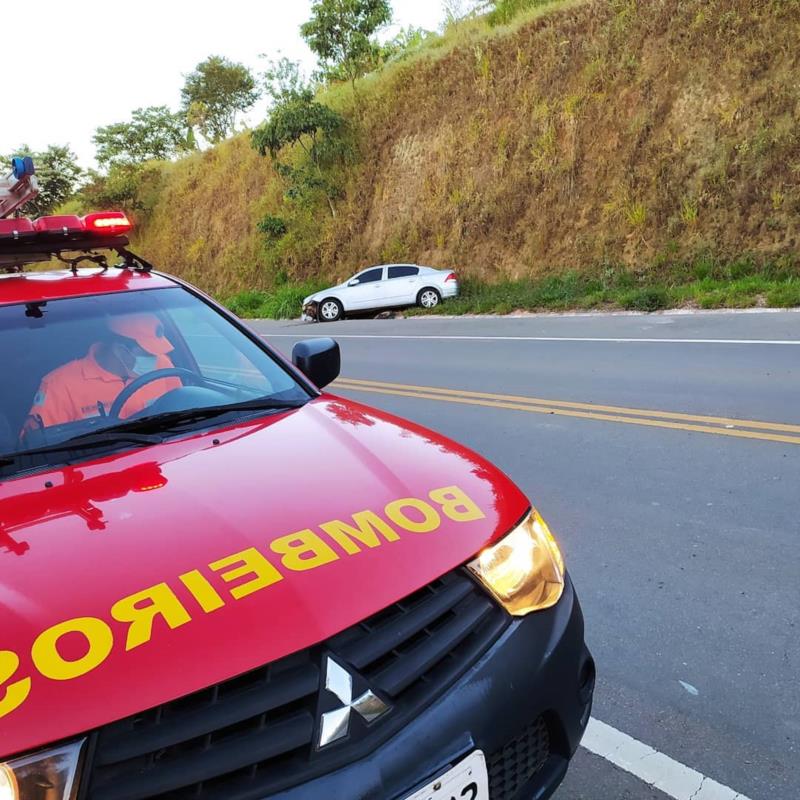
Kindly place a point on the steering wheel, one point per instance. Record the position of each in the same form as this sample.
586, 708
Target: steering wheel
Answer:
156, 375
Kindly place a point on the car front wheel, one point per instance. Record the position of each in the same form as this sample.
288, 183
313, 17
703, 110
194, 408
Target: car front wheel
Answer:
428, 298
330, 310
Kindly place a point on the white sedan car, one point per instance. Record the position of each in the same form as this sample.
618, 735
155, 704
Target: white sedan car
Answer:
377, 288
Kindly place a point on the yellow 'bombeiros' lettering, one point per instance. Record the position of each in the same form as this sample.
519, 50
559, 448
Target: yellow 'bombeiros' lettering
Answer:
248, 571
53, 665
16, 693
367, 527
303, 550
206, 595
141, 610
396, 511
456, 504
251, 562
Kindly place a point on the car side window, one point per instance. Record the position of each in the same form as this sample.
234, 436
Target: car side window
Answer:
371, 275
216, 357
403, 272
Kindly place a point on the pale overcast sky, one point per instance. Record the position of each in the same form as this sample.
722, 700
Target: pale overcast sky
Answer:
69, 67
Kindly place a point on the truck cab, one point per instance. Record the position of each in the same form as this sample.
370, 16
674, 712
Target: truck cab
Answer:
220, 579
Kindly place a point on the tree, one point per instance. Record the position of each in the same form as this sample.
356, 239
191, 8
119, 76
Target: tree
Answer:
340, 33
153, 133
131, 187
283, 80
215, 93
58, 174
297, 118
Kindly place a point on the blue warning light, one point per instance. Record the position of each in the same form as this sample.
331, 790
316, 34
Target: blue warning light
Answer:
22, 167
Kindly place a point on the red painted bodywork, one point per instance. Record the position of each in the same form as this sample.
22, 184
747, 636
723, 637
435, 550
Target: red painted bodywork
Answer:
110, 528
37, 287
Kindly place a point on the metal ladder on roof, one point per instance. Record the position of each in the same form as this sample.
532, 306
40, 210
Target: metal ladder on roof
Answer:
18, 187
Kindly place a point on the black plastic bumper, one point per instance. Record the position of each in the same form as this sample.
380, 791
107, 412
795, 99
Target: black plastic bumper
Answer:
540, 668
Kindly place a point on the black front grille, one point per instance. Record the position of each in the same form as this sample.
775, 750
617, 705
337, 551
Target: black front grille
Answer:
254, 735
516, 764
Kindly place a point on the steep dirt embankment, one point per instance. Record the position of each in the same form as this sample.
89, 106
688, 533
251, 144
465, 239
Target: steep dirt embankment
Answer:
606, 132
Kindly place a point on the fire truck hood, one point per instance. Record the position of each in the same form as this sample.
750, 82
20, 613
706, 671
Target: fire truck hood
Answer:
87, 548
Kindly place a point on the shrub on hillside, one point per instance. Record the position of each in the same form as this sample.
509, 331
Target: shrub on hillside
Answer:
272, 227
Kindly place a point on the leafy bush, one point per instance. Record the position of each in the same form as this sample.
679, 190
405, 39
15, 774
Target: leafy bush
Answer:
272, 227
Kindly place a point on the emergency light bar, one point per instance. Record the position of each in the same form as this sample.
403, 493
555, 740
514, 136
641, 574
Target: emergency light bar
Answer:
24, 241
19, 187
102, 223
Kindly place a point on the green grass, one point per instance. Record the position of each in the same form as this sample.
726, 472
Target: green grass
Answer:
574, 292
283, 303
506, 10
610, 288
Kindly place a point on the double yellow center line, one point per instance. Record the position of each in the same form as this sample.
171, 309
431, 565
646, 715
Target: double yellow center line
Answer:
719, 426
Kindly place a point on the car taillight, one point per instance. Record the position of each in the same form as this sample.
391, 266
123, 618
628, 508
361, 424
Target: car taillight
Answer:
451, 277
107, 223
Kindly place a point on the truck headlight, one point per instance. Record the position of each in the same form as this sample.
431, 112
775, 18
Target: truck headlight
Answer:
525, 569
45, 775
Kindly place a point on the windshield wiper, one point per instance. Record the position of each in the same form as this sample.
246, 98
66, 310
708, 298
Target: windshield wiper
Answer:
145, 431
86, 441
170, 420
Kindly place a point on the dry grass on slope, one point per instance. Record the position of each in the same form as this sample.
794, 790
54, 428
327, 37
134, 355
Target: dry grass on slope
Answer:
605, 132
638, 135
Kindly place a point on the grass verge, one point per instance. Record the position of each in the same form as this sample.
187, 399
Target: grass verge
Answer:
284, 302
739, 284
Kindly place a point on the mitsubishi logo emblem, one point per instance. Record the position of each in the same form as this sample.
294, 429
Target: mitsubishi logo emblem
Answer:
335, 724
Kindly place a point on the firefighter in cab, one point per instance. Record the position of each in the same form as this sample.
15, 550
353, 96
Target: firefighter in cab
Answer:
135, 344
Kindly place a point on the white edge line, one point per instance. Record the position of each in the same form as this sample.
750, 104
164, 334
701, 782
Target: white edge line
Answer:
653, 768
795, 342
548, 315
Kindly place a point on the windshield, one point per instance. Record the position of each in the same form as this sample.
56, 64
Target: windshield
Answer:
94, 366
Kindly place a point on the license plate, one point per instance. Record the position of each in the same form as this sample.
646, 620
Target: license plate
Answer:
466, 781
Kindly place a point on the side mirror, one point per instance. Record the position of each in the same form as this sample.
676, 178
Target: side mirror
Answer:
318, 359
354, 282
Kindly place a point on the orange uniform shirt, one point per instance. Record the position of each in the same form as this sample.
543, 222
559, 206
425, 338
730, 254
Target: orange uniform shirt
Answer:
82, 389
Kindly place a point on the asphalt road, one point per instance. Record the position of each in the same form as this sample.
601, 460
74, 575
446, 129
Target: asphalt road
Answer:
678, 508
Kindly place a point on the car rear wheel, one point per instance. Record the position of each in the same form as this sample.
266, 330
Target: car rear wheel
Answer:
429, 298
330, 310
